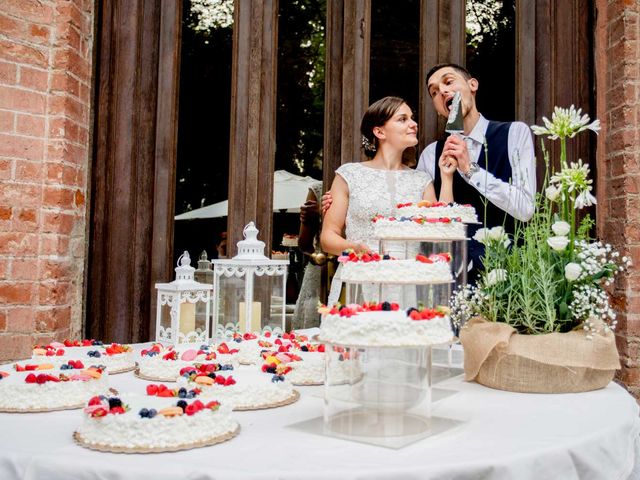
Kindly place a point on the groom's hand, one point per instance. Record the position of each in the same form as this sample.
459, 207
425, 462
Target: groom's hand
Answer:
456, 147
327, 200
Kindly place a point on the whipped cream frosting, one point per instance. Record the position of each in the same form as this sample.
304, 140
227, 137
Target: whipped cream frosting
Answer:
169, 370
465, 212
384, 228
253, 389
15, 393
130, 431
384, 328
396, 271
116, 362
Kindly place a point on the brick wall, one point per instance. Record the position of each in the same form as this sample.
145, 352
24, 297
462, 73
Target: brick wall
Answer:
618, 105
45, 84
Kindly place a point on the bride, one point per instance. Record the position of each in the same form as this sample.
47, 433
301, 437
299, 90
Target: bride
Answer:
365, 189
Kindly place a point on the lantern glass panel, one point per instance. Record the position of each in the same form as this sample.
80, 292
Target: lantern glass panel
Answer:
268, 293
231, 295
165, 316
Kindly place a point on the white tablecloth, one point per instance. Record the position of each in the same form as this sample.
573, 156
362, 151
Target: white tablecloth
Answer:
502, 436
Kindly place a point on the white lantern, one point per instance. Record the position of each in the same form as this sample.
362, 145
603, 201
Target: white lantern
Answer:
183, 308
249, 290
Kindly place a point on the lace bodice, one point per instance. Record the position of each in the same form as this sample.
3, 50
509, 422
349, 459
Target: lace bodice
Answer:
373, 192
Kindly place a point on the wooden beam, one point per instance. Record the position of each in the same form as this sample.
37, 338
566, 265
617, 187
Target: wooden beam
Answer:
442, 40
134, 157
253, 119
346, 82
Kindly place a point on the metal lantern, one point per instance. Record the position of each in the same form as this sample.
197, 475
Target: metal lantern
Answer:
183, 309
249, 289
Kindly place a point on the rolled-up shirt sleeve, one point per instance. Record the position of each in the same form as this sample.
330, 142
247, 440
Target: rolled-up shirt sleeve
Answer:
516, 197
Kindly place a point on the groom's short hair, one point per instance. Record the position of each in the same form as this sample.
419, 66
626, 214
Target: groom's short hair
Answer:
458, 68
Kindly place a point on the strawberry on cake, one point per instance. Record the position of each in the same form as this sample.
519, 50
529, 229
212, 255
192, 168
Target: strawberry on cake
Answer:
146, 424
384, 324
44, 389
116, 358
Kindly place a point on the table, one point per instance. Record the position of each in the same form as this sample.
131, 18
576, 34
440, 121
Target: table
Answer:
503, 435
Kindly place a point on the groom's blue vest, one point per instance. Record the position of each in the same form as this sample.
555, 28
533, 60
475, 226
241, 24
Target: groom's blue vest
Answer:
497, 139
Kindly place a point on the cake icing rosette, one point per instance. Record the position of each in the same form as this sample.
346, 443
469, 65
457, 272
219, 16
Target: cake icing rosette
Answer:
45, 388
115, 357
385, 324
147, 424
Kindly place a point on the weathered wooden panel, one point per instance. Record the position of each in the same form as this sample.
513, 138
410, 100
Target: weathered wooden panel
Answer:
253, 119
133, 162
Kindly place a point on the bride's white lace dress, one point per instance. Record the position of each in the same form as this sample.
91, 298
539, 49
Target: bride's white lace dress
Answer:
373, 192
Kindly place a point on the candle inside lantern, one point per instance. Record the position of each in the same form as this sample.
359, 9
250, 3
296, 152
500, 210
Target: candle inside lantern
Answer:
187, 317
256, 315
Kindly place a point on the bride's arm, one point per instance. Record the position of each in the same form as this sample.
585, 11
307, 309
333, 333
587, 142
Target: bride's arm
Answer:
331, 237
429, 193
448, 168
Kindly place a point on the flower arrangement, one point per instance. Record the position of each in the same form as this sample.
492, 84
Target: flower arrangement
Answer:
550, 276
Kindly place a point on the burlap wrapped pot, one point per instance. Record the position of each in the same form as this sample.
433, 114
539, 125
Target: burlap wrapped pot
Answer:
496, 356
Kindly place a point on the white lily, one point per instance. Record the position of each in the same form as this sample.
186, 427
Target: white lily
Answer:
584, 199
566, 122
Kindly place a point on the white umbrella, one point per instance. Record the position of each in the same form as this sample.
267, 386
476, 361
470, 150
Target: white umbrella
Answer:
289, 192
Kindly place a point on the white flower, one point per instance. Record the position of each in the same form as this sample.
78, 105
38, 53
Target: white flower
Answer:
566, 122
552, 193
561, 228
496, 233
584, 199
558, 243
482, 235
495, 276
572, 271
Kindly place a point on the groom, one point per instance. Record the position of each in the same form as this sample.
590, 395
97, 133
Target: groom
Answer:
506, 182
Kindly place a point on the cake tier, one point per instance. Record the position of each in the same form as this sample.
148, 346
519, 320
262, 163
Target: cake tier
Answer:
252, 390
164, 363
16, 394
384, 328
93, 355
131, 432
466, 213
396, 271
418, 228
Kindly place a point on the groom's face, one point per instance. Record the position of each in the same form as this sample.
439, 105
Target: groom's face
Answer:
444, 83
